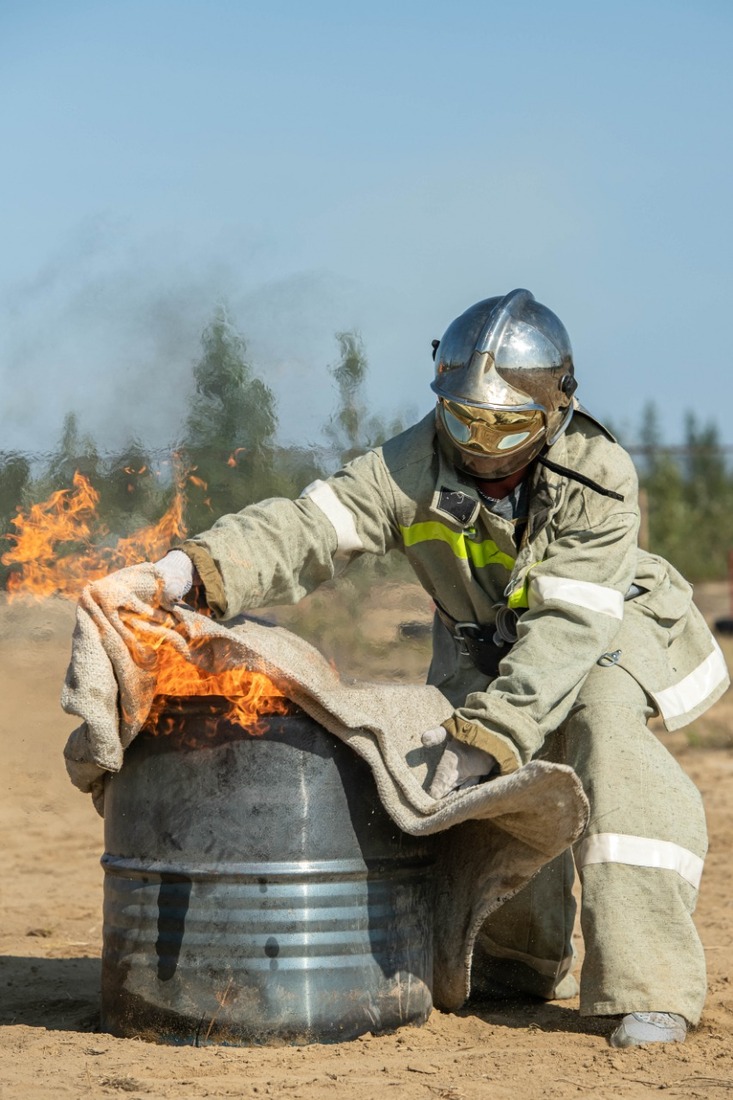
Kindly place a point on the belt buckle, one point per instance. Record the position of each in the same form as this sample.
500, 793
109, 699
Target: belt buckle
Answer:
461, 631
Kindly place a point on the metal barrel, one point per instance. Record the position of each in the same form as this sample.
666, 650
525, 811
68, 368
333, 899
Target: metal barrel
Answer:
257, 891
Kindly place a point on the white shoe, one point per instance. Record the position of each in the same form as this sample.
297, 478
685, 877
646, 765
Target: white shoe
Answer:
649, 1027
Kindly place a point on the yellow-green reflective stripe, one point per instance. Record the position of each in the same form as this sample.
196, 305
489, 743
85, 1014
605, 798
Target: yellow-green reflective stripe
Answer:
480, 553
520, 597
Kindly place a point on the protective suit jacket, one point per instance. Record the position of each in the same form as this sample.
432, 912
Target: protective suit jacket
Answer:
585, 593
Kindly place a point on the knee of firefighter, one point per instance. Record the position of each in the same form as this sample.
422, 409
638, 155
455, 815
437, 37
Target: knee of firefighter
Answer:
599, 732
634, 785
609, 718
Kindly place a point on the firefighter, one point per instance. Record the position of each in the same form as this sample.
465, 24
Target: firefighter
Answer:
554, 637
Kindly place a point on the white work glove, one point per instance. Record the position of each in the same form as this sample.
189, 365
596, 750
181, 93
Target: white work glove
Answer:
459, 767
177, 574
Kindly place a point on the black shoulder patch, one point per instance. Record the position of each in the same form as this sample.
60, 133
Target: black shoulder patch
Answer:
458, 505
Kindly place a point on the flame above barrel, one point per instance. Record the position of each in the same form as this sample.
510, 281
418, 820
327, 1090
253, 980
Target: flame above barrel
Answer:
60, 545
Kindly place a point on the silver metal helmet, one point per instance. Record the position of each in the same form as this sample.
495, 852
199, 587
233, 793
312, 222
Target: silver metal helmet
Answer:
505, 382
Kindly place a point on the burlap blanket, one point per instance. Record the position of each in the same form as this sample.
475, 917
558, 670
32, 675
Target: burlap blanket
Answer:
492, 838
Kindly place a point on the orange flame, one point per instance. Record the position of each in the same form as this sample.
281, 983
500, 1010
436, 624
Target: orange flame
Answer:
232, 460
59, 543
243, 696
58, 549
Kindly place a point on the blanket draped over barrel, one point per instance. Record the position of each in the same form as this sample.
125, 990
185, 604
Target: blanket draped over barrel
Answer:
491, 839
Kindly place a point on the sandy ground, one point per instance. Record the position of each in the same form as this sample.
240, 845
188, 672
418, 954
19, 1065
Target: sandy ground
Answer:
50, 903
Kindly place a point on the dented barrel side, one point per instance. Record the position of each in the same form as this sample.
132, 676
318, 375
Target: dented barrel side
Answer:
257, 891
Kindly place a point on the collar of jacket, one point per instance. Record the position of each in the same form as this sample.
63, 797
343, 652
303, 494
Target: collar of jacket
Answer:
457, 499
548, 490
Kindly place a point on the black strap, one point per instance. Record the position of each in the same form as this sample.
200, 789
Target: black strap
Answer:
477, 641
575, 476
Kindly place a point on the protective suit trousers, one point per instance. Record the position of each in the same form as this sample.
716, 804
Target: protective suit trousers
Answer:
639, 861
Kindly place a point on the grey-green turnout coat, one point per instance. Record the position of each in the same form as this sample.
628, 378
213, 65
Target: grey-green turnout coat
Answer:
607, 635
570, 579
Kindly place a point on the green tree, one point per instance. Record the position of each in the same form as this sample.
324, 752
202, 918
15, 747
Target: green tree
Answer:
706, 476
352, 429
74, 452
131, 495
709, 499
346, 428
15, 476
690, 497
229, 435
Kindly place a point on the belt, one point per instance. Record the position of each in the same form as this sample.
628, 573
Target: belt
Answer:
486, 644
489, 643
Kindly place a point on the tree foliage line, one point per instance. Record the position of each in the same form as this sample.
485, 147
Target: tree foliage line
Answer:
226, 455
230, 457
687, 495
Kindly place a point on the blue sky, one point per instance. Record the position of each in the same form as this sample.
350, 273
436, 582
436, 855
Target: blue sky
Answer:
321, 166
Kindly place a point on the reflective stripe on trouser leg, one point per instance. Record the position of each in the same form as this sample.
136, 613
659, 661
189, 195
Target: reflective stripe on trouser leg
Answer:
527, 943
639, 857
640, 851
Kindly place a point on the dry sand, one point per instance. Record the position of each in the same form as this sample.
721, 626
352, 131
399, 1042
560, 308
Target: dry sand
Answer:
51, 896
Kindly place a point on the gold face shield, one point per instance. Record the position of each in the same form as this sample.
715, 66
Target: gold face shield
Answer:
491, 431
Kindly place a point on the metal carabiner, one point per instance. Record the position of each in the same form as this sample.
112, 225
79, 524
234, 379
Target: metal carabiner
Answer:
463, 630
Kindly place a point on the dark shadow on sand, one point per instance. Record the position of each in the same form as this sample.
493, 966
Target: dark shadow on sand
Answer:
57, 994
547, 1016
63, 995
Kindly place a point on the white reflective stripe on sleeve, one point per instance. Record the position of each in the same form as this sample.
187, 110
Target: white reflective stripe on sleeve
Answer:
339, 515
639, 851
595, 597
694, 689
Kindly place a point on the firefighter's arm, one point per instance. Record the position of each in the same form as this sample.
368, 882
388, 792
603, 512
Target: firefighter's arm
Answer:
279, 550
575, 599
